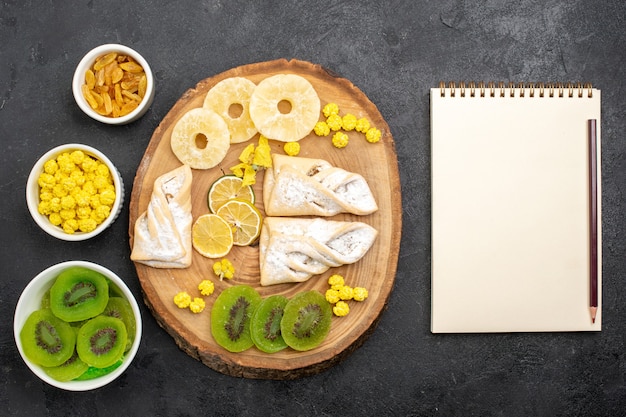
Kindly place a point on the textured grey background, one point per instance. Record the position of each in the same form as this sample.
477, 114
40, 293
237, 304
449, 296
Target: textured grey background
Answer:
392, 50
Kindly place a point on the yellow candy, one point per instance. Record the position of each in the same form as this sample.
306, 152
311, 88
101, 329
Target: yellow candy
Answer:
46, 180
55, 204
362, 125
89, 165
359, 294
70, 226
292, 148
90, 188
77, 156
330, 108
103, 171
341, 309
340, 140
332, 296
321, 129
346, 293
68, 202
67, 214
44, 208
224, 269
197, 305
50, 167
107, 197
348, 122
68, 184
336, 281
45, 196
206, 287
334, 122
182, 299
87, 225
76, 191
373, 135
55, 219
83, 212
78, 177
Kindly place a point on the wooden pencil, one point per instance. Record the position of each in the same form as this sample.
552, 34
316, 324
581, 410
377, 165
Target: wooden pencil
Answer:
593, 220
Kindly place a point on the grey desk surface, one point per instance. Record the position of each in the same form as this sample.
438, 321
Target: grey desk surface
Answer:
394, 51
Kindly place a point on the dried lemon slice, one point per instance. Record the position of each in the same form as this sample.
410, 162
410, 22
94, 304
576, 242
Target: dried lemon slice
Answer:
228, 187
200, 138
230, 98
212, 236
244, 219
285, 107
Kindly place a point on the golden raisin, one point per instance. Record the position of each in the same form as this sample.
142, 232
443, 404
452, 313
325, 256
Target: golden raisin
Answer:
131, 67
90, 79
114, 85
103, 61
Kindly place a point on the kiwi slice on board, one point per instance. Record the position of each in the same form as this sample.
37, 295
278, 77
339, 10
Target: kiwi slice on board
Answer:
230, 317
68, 370
120, 308
265, 324
93, 372
306, 320
46, 339
101, 341
79, 294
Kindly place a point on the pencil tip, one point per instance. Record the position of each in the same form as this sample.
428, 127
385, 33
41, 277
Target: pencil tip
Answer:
594, 310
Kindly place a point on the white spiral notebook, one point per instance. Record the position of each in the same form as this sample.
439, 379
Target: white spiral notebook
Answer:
516, 218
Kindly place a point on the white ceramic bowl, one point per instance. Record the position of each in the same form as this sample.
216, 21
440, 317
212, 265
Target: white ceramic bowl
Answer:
30, 301
79, 80
32, 193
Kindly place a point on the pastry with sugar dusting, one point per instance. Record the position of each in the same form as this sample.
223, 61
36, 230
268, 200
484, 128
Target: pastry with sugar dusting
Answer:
162, 236
295, 249
297, 186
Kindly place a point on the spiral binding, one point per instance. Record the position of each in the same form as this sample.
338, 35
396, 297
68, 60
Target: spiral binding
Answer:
501, 89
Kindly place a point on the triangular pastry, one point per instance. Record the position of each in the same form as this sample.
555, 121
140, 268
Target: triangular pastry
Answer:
295, 249
162, 236
296, 186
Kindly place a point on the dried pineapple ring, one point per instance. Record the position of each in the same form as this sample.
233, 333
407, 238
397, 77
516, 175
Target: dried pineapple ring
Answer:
200, 139
228, 93
273, 123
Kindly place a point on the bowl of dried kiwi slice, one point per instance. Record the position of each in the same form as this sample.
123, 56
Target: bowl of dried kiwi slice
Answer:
77, 326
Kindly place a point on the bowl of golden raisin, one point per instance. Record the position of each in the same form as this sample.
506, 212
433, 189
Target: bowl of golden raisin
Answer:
113, 84
74, 192
77, 326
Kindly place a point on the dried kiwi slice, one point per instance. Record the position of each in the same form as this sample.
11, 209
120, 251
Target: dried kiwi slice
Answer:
114, 290
120, 308
68, 370
78, 294
46, 339
93, 372
230, 317
265, 324
306, 321
45, 300
101, 341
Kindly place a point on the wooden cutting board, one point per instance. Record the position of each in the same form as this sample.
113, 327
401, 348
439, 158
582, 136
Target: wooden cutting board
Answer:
375, 271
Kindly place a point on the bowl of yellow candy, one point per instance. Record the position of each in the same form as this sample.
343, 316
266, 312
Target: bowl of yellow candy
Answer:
74, 192
113, 84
